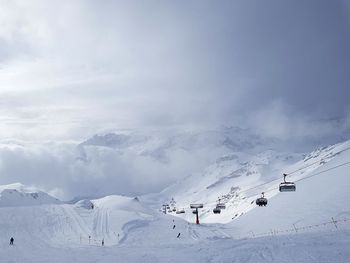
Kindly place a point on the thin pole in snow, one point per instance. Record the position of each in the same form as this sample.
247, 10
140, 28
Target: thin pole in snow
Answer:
253, 234
296, 230
335, 223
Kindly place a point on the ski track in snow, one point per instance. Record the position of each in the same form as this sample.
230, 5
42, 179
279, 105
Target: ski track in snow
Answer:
133, 232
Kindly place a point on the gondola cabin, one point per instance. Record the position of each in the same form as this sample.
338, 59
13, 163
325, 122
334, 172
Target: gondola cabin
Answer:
221, 206
216, 210
287, 187
261, 201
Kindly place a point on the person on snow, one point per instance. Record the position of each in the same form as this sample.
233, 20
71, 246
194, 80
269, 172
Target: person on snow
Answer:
103, 242
11, 241
178, 236
174, 226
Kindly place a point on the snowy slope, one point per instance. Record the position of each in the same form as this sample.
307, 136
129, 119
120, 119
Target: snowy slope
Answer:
19, 195
57, 233
224, 180
134, 230
231, 177
322, 193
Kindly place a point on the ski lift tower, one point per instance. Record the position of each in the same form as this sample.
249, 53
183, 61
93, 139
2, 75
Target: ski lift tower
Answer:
196, 206
165, 206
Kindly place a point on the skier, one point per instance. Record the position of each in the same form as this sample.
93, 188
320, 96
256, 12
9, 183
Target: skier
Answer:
178, 236
103, 242
174, 226
11, 241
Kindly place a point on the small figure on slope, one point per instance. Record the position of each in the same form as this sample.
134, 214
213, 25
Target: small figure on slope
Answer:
11, 241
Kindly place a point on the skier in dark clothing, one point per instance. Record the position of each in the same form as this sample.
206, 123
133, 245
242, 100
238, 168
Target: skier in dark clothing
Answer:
178, 236
11, 241
174, 226
103, 242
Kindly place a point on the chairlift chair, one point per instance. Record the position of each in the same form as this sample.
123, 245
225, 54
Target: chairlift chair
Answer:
287, 186
221, 206
261, 201
216, 210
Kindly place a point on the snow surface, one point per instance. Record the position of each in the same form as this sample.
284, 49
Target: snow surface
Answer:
18, 194
134, 230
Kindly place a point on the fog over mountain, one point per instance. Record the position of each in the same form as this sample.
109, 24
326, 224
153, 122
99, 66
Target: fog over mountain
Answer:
174, 131
155, 75
134, 162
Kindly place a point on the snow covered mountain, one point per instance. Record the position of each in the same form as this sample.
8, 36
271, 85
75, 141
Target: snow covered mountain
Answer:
164, 146
133, 228
237, 180
18, 194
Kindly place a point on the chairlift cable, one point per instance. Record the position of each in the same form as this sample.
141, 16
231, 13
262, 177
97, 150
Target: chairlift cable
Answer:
302, 168
306, 177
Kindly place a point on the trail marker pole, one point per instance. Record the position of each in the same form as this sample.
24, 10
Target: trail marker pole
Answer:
335, 223
296, 230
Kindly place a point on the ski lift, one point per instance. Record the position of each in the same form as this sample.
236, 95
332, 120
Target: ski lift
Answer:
216, 210
194, 212
261, 201
287, 186
221, 206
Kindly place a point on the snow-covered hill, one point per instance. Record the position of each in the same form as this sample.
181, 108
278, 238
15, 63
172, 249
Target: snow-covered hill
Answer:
322, 193
18, 194
238, 179
133, 228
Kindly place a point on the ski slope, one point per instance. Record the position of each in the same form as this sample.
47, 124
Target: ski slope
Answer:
134, 229
325, 194
18, 194
317, 198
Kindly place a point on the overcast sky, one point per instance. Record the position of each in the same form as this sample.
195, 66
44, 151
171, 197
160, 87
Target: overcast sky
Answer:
69, 69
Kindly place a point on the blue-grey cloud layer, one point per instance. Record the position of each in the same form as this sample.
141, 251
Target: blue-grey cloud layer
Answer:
69, 69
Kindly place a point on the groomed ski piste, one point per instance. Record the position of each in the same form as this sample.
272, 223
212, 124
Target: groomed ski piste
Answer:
311, 224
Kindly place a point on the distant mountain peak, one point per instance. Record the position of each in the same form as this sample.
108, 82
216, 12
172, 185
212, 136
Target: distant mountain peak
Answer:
18, 194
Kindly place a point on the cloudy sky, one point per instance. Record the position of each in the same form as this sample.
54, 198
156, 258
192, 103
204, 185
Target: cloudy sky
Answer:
71, 69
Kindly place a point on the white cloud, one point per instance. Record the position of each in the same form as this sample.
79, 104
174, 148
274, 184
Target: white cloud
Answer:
70, 69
